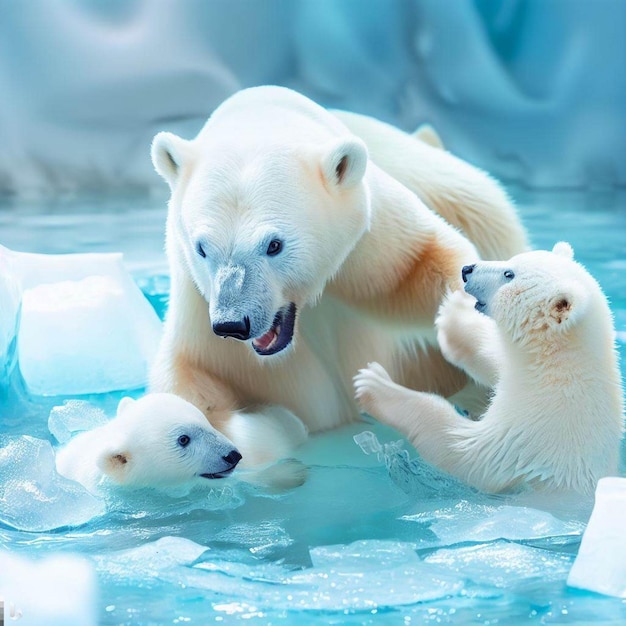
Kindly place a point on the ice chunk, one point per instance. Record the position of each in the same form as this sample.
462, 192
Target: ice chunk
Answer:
10, 298
601, 562
33, 497
481, 522
152, 559
502, 564
72, 417
85, 328
361, 576
59, 590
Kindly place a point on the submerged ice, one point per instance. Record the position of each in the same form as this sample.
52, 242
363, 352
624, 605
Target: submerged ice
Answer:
33, 497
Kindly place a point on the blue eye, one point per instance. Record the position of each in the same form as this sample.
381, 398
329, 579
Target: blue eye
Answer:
509, 275
200, 250
183, 441
275, 246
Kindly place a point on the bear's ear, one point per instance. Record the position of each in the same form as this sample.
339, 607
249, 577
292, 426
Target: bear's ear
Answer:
568, 305
428, 135
344, 164
124, 404
562, 248
169, 153
115, 462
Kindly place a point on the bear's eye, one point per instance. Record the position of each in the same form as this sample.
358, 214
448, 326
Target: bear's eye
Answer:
183, 441
200, 250
509, 275
275, 246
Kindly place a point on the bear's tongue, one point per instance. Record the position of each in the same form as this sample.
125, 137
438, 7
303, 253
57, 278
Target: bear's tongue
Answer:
267, 341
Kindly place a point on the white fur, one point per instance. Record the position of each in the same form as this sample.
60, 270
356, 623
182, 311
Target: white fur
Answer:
271, 164
140, 447
556, 417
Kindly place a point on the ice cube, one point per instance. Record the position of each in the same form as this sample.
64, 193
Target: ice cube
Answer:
601, 562
59, 590
33, 497
72, 417
85, 328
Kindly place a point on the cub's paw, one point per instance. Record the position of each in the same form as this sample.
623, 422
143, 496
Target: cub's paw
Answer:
371, 385
456, 324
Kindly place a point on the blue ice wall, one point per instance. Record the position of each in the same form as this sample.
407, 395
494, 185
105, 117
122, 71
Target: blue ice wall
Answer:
532, 90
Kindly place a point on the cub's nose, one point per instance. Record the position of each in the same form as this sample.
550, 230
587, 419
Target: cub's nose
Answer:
232, 458
239, 329
467, 269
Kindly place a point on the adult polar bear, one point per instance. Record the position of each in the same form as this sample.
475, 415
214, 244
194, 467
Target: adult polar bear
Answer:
283, 234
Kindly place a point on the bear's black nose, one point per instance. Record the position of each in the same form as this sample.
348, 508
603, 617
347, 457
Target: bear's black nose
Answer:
239, 329
233, 457
467, 269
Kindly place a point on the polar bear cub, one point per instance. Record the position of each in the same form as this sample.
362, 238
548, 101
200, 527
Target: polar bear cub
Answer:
537, 329
159, 440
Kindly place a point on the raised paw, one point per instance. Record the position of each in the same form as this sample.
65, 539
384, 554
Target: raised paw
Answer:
371, 385
457, 305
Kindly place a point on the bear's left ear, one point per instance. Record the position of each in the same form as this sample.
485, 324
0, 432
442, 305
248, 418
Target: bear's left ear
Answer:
564, 249
344, 164
115, 462
568, 305
124, 404
169, 153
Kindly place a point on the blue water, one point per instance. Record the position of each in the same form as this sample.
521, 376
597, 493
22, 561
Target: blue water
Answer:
370, 538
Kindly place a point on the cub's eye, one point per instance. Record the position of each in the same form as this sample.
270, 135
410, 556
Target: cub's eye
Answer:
200, 250
276, 245
183, 441
509, 275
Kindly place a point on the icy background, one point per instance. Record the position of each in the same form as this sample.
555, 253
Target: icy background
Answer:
532, 90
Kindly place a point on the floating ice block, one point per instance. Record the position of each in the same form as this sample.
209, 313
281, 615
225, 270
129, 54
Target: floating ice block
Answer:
601, 562
10, 294
59, 590
72, 417
85, 325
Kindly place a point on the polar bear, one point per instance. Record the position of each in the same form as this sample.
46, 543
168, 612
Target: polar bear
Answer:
295, 258
159, 440
538, 328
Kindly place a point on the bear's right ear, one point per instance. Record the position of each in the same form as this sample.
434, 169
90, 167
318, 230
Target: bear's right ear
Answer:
562, 248
344, 164
169, 153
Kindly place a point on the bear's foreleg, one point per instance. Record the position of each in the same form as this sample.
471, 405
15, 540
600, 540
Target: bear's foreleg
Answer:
469, 339
427, 420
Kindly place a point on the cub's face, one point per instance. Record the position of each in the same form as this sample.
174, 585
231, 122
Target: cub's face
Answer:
262, 228
161, 440
533, 294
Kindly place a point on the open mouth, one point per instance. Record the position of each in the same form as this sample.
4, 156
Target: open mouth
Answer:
480, 306
279, 336
218, 474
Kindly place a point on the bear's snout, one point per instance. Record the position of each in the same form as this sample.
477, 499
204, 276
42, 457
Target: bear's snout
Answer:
232, 458
467, 269
238, 329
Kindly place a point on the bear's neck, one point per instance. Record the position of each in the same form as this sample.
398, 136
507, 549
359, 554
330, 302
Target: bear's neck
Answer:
406, 261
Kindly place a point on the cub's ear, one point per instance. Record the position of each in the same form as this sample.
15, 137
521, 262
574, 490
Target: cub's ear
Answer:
124, 404
169, 153
344, 164
568, 306
115, 462
562, 248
